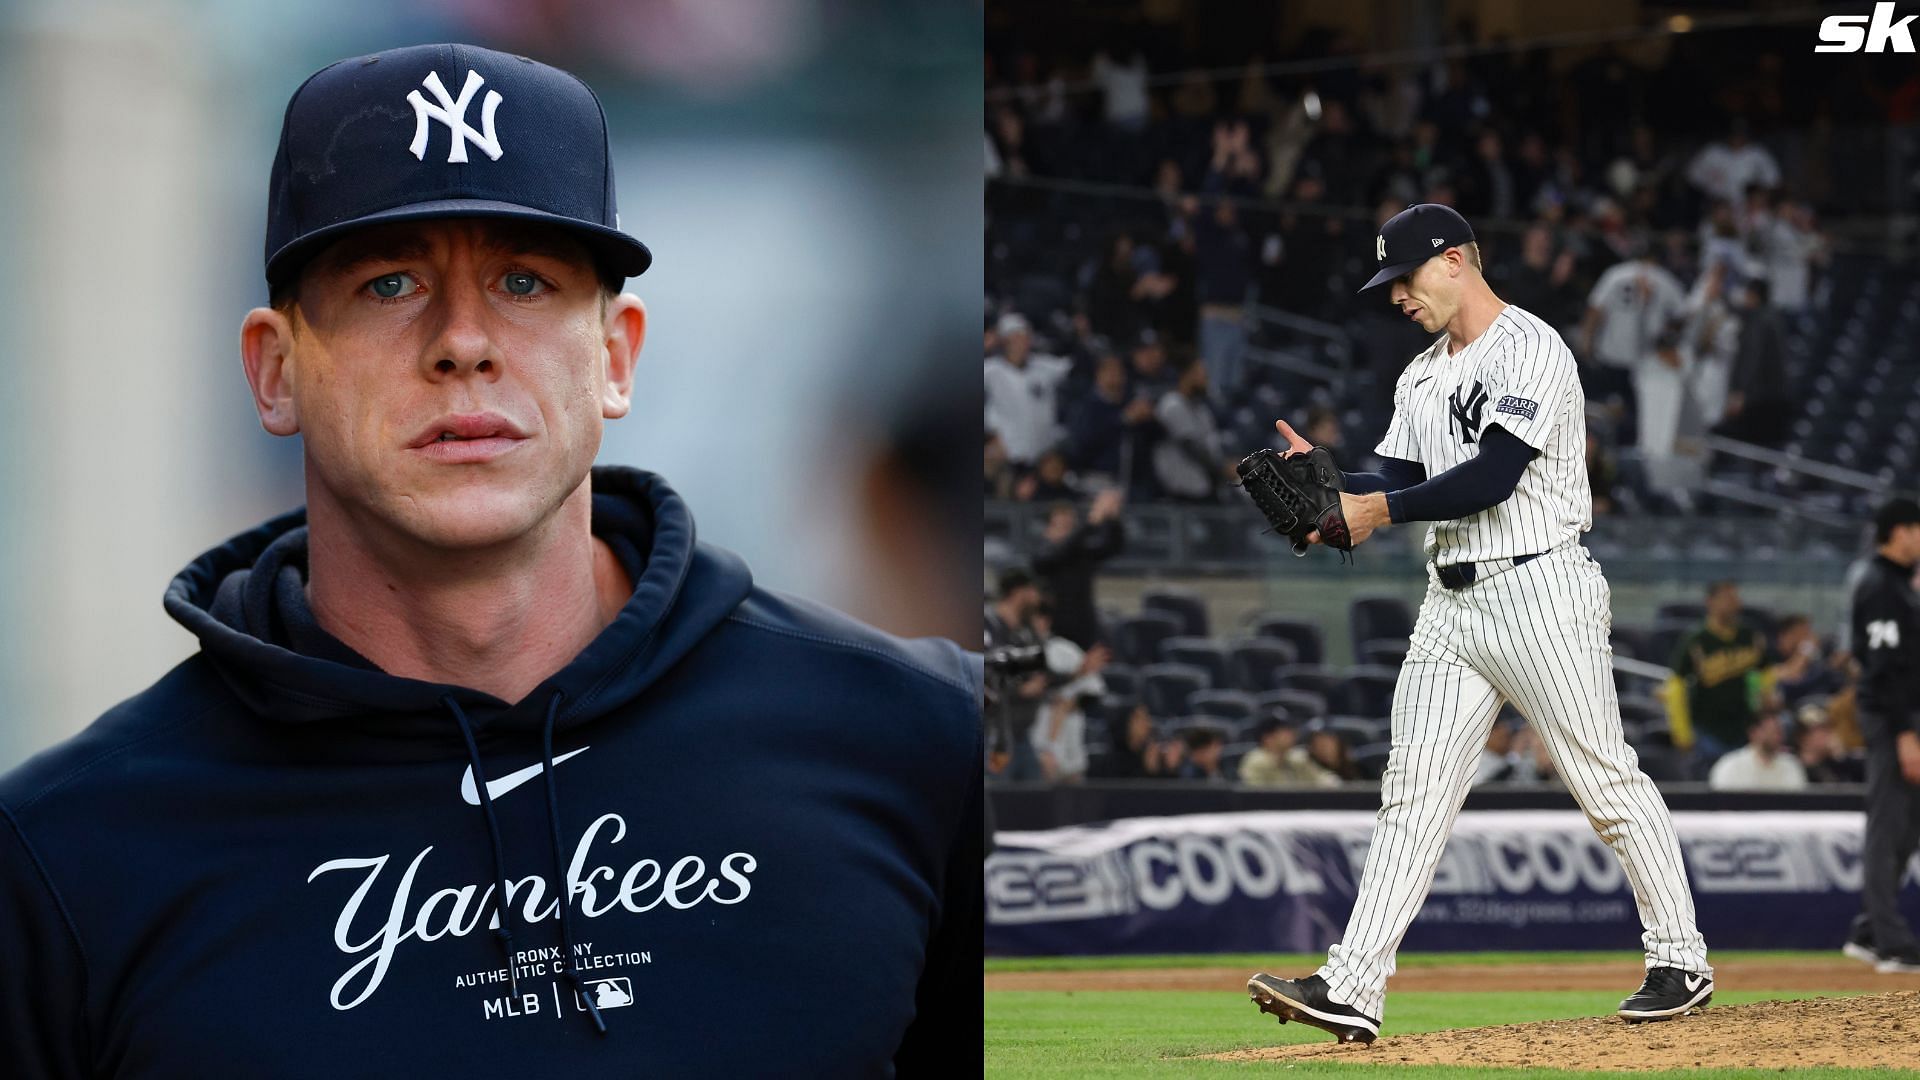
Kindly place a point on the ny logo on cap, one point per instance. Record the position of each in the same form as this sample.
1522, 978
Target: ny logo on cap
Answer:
453, 113
1380, 247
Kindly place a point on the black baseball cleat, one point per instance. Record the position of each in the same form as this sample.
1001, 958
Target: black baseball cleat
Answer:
1860, 946
1306, 1001
1898, 962
1667, 993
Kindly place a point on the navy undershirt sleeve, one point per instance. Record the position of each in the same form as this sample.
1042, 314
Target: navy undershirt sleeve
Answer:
1482, 481
1395, 473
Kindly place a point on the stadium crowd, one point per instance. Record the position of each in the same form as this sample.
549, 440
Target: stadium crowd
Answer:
1754, 701
1139, 231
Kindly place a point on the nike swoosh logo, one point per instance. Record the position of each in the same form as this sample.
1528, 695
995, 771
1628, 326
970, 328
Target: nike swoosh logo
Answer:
1417, 382
497, 788
1693, 981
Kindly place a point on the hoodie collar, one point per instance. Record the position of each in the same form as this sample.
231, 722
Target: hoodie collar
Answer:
246, 602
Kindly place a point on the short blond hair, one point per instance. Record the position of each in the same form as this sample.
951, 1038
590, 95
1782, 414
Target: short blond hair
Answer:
1472, 250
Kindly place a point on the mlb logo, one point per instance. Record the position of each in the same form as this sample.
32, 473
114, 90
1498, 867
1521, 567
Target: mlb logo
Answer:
607, 994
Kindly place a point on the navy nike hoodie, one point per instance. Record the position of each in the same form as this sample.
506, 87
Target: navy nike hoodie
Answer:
280, 861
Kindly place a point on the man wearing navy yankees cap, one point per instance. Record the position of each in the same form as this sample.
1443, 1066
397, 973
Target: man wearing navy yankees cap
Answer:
486, 766
1487, 445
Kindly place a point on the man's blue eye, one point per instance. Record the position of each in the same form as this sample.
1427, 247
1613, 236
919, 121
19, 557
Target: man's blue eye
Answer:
522, 284
388, 286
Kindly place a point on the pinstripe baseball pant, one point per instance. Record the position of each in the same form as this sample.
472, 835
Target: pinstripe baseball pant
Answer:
1535, 635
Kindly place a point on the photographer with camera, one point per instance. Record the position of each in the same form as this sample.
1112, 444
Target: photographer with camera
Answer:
1016, 677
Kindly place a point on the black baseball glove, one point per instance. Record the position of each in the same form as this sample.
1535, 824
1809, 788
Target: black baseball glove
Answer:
1298, 495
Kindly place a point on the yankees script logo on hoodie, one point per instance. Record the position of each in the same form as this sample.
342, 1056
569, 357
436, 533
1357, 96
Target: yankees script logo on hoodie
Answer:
282, 861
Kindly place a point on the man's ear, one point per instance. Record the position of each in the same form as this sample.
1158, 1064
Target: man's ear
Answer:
266, 352
626, 329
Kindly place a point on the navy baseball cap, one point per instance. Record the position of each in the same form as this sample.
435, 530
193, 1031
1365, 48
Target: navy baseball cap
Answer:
1413, 236
442, 131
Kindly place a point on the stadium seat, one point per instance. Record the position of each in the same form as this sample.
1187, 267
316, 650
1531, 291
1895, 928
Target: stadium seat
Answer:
1373, 618
1137, 638
1166, 687
1357, 731
1313, 678
1664, 640
1384, 652
1302, 634
1183, 605
1122, 681
1684, 611
1364, 692
1662, 764
1371, 759
1253, 664
1231, 705
1302, 706
1634, 642
1204, 653
1642, 711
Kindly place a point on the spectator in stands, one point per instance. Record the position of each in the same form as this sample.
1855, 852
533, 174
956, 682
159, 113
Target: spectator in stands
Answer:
1060, 732
1714, 691
1050, 481
1720, 241
1000, 473
1301, 247
1071, 554
1103, 427
1532, 764
1496, 762
1204, 749
1012, 706
1725, 168
1123, 89
1800, 673
1138, 753
1761, 765
1627, 343
1327, 751
1150, 377
1819, 752
1187, 460
1223, 274
1278, 760
1127, 290
1323, 427
1021, 390
1709, 346
1788, 247
1541, 281
1759, 405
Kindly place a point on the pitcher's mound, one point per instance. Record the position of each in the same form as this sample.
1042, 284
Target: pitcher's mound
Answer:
1880, 1030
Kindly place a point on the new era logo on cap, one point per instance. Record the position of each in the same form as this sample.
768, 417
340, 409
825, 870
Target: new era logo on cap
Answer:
1413, 236
360, 146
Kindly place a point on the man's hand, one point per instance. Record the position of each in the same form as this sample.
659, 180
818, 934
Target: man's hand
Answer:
1106, 505
1364, 513
1096, 659
1295, 444
1908, 744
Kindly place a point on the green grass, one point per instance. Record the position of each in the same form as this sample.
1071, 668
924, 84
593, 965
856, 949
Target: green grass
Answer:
1129, 1033
1283, 962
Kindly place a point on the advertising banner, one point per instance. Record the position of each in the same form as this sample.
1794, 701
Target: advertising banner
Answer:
1284, 881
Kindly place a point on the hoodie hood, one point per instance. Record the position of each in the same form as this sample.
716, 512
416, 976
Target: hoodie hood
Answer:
246, 602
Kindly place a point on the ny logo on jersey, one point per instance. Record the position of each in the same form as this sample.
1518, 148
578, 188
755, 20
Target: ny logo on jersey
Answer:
1883, 634
1466, 413
453, 113
1380, 247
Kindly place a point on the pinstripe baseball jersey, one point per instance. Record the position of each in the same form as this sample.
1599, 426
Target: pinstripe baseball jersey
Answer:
1520, 375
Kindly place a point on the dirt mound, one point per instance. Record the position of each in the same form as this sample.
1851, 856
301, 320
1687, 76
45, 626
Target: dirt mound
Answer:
1860, 1032
1618, 972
